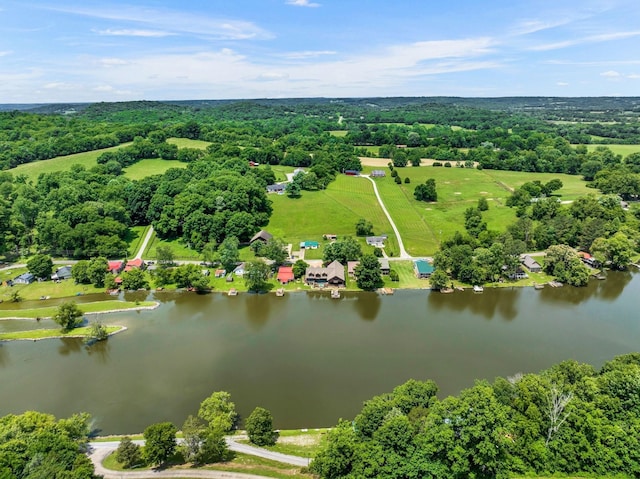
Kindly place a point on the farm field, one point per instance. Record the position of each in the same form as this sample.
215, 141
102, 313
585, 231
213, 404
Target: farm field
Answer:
424, 225
335, 210
61, 163
618, 149
151, 166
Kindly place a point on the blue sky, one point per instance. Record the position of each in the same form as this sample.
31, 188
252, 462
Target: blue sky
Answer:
73, 50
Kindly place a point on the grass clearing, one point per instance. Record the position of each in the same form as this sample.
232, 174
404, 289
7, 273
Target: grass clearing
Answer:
617, 149
188, 143
61, 163
86, 308
37, 334
38, 289
180, 250
134, 238
338, 133
335, 210
296, 442
152, 166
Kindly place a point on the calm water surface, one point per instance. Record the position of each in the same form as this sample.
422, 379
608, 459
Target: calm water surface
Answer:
308, 358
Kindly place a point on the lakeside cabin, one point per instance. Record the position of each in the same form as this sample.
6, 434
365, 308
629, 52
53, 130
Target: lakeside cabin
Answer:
134, 264
115, 267
285, 274
423, 268
24, 278
531, 264
332, 274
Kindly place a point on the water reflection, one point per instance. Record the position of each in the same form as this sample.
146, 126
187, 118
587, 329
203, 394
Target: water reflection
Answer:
610, 288
4, 356
99, 350
499, 302
69, 345
366, 305
258, 308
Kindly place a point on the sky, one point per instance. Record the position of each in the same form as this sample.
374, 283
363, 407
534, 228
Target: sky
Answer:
117, 50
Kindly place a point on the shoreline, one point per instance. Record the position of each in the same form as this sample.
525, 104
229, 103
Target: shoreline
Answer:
64, 336
135, 308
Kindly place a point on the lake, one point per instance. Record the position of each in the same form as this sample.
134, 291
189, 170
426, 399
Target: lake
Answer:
307, 358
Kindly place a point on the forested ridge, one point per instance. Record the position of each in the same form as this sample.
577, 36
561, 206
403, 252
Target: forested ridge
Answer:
569, 419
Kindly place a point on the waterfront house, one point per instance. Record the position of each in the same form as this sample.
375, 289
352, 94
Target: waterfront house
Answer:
423, 268
24, 278
62, 273
115, 266
219, 273
332, 274
239, 270
531, 264
518, 274
285, 274
384, 265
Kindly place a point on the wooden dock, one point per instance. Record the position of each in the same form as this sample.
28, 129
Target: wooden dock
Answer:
232, 292
280, 292
335, 294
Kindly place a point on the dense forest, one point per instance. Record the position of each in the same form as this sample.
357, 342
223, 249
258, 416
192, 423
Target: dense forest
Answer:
569, 419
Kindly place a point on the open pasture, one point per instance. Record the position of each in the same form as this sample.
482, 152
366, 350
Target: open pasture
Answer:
188, 143
61, 163
335, 210
617, 149
151, 166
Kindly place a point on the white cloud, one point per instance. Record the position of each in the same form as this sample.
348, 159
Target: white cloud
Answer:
590, 39
174, 21
272, 76
302, 3
110, 62
58, 86
634, 76
104, 88
134, 33
307, 54
562, 83
610, 74
5, 53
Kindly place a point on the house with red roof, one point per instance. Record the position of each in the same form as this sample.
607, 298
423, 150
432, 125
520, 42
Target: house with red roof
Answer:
115, 266
134, 264
285, 274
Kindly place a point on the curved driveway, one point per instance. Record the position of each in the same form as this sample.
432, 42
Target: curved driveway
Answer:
100, 450
403, 252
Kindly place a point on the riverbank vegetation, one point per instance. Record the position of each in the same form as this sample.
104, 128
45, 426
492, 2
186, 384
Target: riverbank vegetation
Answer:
85, 308
569, 419
37, 334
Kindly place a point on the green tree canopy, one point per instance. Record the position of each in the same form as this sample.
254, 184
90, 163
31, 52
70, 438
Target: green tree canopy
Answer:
259, 426
68, 315
40, 265
160, 442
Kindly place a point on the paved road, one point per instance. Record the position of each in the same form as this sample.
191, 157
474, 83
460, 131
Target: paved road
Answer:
403, 252
144, 244
100, 450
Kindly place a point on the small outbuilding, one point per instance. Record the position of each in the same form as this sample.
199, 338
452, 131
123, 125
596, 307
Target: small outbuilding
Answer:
309, 245
351, 268
377, 241
384, 265
378, 174
278, 188
24, 278
352, 172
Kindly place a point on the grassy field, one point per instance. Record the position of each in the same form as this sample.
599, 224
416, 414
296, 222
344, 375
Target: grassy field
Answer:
423, 225
180, 250
36, 334
623, 150
297, 443
338, 133
38, 289
335, 210
86, 308
152, 166
241, 463
187, 143
61, 163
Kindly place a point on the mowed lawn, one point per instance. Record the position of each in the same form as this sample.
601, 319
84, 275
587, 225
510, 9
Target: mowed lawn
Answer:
187, 143
61, 163
423, 225
335, 210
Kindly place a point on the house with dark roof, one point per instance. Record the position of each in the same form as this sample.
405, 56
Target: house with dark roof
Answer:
351, 172
384, 265
261, 235
62, 273
377, 241
285, 274
531, 264
24, 278
423, 268
332, 274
